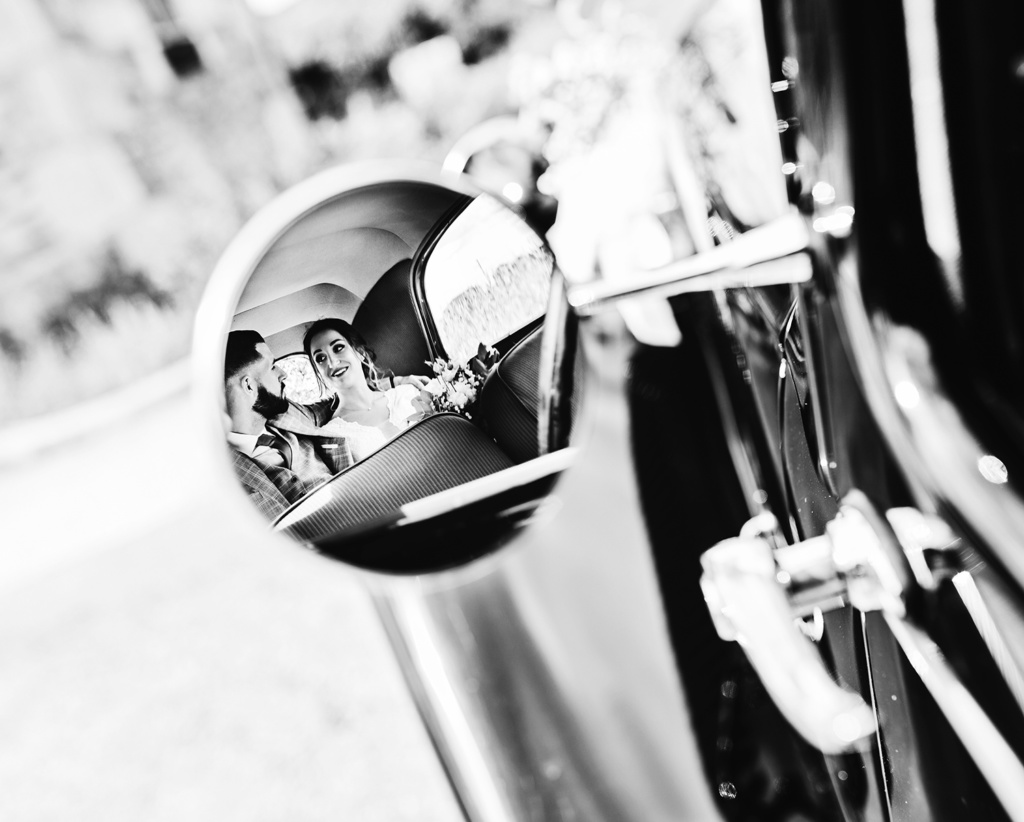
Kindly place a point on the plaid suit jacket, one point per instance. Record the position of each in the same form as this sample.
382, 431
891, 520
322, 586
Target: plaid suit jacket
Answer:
314, 459
269, 496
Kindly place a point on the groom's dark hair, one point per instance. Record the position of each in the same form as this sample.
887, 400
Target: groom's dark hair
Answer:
241, 351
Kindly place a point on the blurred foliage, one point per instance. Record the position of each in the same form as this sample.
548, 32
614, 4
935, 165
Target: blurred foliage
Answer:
143, 146
140, 163
64, 323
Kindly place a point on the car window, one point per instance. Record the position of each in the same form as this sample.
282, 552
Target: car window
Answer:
300, 384
487, 277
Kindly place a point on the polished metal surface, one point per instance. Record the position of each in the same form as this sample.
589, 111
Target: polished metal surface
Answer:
976, 730
559, 342
990, 632
755, 587
938, 202
747, 600
771, 254
545, 671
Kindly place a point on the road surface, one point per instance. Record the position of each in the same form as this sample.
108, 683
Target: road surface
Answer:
162, 657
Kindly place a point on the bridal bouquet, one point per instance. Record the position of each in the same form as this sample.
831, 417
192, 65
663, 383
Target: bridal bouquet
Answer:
455, 387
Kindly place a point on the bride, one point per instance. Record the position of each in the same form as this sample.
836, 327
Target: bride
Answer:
344, 366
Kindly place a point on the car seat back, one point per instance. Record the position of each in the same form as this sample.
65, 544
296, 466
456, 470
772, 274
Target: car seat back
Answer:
389, 322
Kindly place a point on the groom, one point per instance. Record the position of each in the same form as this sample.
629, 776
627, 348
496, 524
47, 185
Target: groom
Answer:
277, 464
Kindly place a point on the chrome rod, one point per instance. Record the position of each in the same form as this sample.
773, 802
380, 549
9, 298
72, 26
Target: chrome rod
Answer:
772, 254
972, 599
995, 759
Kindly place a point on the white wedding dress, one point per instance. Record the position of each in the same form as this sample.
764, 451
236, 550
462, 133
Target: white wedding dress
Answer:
365, 439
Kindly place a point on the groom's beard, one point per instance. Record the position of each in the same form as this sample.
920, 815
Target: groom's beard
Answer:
269, 405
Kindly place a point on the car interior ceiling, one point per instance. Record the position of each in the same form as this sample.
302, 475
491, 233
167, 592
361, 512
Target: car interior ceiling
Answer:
343, 247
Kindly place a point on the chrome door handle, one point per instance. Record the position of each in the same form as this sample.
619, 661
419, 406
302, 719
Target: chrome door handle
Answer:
748, 604
756, 587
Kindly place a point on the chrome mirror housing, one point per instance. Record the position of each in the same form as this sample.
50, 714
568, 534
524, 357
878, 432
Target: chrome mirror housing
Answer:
524, 611
438, 291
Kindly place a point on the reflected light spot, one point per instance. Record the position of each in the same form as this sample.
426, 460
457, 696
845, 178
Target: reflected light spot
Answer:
993, 469
780, 85
513, 192
823, 193
848, 727
789, 168
790, 68
839, 223
907, 394
552, 770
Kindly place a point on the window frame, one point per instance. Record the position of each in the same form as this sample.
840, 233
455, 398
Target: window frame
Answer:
417, 274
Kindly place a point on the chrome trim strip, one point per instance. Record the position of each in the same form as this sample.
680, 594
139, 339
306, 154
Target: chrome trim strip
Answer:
938, 203
972, 599
994, 757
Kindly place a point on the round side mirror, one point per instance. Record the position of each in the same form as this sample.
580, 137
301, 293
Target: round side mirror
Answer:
372, 343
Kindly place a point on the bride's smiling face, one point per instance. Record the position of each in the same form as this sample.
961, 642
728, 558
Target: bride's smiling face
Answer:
338, 363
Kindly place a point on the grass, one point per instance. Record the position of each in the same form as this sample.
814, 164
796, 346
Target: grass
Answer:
516, 293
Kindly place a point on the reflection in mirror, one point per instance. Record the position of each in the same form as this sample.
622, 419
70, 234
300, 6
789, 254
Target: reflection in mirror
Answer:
487, 277
381, 376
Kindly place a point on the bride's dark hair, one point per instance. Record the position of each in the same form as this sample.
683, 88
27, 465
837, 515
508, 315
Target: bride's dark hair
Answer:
366, 354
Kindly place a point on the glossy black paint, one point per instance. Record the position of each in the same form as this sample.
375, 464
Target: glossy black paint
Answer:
844, 106
756, 766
